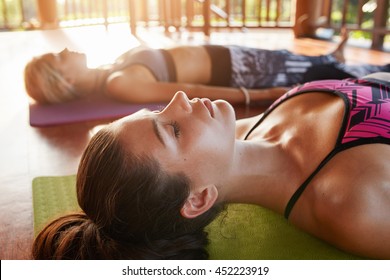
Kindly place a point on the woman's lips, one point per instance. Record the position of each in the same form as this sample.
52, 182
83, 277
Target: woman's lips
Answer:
209, 106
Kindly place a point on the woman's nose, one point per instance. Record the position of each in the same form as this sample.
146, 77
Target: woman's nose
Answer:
63, 52
180, 101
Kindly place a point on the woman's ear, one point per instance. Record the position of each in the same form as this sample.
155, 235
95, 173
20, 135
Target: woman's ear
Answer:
70, 80
199, 201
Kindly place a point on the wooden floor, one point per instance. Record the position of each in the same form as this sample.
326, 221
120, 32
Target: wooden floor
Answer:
28, 152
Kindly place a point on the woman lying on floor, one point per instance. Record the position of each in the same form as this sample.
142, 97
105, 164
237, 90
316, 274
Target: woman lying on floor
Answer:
235, 74
320, 155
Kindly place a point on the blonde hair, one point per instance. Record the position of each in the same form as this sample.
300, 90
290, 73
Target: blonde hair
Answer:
45, 84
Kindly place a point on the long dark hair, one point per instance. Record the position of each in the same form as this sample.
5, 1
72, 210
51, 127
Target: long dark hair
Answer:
131, 210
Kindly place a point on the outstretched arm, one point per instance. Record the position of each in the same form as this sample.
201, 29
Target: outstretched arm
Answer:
152, 92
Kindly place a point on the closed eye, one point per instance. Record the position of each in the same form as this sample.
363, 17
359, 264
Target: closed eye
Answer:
176, 128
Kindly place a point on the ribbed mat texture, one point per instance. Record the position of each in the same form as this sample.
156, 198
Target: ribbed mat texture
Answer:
242, 232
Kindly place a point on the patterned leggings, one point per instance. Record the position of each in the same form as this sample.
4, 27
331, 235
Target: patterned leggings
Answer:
259, 68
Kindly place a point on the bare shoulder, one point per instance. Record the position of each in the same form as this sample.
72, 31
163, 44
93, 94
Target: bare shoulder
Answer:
244, 125
125, 84
120, 80
136, 72
349, 201
357, 176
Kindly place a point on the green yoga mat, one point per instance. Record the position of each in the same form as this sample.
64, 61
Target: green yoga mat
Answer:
242, 232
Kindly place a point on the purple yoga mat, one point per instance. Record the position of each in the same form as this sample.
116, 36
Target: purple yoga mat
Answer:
88, 109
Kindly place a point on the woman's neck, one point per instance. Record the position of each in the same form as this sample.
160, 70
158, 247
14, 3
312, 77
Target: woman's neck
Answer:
93, 82
261, 174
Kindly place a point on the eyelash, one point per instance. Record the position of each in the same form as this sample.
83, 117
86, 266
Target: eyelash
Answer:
176, 128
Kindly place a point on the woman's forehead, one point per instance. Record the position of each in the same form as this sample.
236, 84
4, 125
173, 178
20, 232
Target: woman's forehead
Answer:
48, 58
141, 114
131, 120
136, 132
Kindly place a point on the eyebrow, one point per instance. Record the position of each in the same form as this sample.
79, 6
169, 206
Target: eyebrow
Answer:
157, 132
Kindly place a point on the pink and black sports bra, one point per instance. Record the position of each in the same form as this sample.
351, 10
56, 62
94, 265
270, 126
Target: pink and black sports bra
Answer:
366, 119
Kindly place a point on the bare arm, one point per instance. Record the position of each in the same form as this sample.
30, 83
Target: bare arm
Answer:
149, 91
